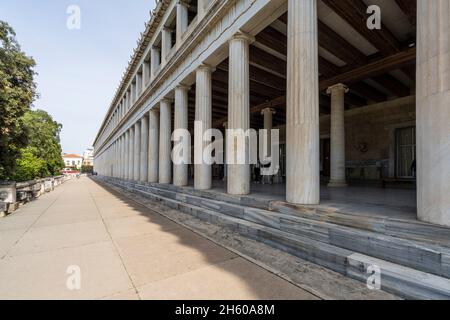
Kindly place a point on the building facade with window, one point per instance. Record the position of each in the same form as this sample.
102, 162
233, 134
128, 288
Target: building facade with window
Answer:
72, 161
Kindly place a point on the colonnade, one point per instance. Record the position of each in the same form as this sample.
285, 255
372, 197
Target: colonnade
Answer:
143, 151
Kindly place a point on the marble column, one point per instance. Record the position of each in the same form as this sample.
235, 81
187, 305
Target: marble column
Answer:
144, 150
182, 19
433, 111
166, 43
337, 133
131, 154
225, 167
145, 74
165, 141
126, 152
268, 125
302, 123
239, 111
121, 156
137, 151
153, 146
138, 85
180, 171
203, 115
155, 61
132, 94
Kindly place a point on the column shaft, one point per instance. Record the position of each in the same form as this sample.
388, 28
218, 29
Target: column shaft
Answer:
166, 43
239, 112
153, 147
144, 150
203, 115
155, 61
126, 155
337, 155
182, 19
165, 142
180, 171
433, 111
131, 154
137, 151
302, 129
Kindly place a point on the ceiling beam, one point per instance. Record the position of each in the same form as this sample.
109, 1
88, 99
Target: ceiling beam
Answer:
354, 13
275, 103
409, 7
372, 69
338, 46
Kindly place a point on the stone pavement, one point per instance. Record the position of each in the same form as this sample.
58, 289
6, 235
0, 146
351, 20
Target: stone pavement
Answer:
121, 250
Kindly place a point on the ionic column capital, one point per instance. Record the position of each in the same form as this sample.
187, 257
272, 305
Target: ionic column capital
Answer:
183, 87
183, 3
206, 67
242, 36
168, 29
337, 87
268, 110
166, 100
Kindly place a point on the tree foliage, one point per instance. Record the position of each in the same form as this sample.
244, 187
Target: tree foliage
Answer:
29, 166
29, 140
43, 142
17, 92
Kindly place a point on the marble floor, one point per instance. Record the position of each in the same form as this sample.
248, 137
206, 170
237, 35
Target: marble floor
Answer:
362, 200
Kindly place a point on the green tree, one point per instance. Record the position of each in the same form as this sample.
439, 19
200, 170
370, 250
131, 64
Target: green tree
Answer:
17, 92
29, 166
44, 144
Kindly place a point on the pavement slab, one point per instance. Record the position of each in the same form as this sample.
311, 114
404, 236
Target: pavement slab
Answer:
114, 248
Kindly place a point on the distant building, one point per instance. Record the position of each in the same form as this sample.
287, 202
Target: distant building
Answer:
88, 157
72, 161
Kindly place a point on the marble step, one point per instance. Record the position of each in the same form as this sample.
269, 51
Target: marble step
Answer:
397, 279
407, 229
426, 257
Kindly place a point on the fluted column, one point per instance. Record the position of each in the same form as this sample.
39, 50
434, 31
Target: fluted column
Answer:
145, 74
122, 156
182, 19
166, 43
302, 129
337, 133
132, 94
268, 125
138, 85
144, 150
153, 146
225, 167
165, 142
433, 111
180, 171
239, 111
203, 115
126, 152
155, 62
137, 151
131, 154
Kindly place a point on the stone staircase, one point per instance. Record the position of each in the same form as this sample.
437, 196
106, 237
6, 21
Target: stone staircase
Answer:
413, 257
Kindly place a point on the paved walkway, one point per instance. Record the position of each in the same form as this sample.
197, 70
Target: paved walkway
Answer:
82, 234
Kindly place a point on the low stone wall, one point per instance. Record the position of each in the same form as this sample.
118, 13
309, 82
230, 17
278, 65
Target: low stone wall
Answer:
13, 195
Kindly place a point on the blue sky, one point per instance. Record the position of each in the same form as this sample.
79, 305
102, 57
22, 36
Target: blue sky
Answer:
79, 70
